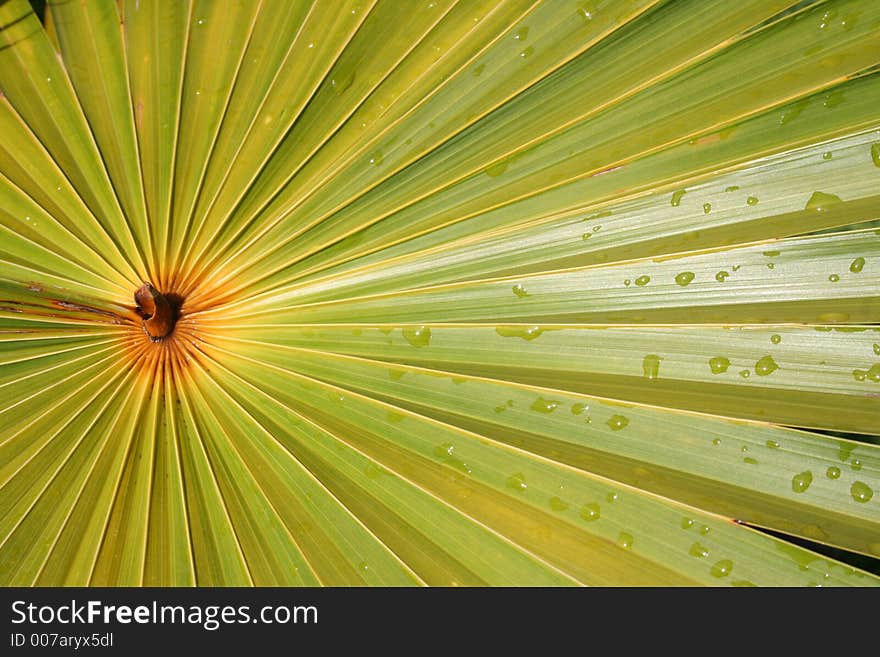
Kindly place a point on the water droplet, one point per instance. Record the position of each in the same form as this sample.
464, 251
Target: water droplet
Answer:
750, 460
860, 375
617, 422
478, 70
626, 282
611, 497
772, 444
527, 52
752, 200
833, 317
341, 82
418, 337
704, 529
495, 170
775, 338
765, 366
557, 504
833, 99
590, 511
524, 332
586, 236
520, 291
676, 197
856, 465
732, 188
684, 278
716, 441
833, 472
517, 482
707, 208
834, 278
875, 153
542, 405
376, 158
721, 276
718, 364
801, 482
722, 568
745, 374
698, 550
821, 202
827, 155
651, 366
625, 540
861, 492
857, 265
877, 349
792, 111
578, 408
587, 11
686, 523
521, 33
641, 281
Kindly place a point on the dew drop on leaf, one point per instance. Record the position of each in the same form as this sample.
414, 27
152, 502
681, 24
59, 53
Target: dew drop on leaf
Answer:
718, 364
765, 366
524, 332
542, 405
520, 291
590, 511
801, 482
857, 265
821, 202
861, 492
698, 550
651, 366
722, 568
418, 337
833, 472
684, 278
617, 422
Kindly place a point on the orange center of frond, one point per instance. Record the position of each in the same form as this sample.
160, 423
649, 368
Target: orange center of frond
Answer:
163, 338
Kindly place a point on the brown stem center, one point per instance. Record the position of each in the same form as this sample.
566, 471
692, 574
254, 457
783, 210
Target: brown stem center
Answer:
158, 315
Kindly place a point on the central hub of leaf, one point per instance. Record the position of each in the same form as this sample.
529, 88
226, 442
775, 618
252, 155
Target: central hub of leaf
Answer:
159, 312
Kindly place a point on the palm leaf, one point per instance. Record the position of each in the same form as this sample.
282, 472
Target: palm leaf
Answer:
457, 293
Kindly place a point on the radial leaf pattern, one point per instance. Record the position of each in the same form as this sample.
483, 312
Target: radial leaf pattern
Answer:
439, 292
